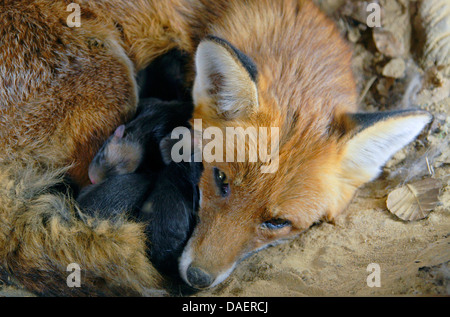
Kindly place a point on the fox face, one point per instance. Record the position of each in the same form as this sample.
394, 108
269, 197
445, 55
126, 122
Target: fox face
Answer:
322, 157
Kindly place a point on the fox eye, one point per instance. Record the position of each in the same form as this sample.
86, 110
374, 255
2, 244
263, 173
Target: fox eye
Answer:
222, 182
276, 223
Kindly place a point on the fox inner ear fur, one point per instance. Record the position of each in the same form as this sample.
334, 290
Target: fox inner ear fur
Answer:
374, 137
225, 79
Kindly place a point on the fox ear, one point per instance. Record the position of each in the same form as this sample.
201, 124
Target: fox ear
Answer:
374, 137
225, 79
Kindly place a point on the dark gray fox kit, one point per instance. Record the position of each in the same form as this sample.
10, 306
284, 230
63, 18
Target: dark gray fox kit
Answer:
130, 178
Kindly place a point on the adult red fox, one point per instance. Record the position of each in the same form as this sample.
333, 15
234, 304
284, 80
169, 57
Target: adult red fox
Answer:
259, 63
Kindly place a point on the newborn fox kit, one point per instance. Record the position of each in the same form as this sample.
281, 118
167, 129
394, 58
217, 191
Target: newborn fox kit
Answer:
134, 147
301, 82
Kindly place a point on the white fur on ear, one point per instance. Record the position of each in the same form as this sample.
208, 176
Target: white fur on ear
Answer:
368, 150
222, 81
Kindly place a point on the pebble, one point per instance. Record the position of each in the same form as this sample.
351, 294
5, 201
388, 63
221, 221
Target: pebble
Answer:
395, 68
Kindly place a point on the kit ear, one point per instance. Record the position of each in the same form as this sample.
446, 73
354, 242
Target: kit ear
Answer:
119, 132
165, 146
180, 145
225, 79
373, 138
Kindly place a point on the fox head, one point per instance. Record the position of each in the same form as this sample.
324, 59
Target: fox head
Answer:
322, 158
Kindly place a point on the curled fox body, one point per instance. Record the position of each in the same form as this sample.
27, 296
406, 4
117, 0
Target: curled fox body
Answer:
258, 63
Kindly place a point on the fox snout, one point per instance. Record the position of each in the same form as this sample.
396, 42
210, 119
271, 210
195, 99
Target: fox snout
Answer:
201, 275
192, 273
198, 277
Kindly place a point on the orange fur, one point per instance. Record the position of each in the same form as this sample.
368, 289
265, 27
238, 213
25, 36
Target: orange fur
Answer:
304, 82
305, 87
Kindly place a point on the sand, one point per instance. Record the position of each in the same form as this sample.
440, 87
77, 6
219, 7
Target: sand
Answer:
332, 259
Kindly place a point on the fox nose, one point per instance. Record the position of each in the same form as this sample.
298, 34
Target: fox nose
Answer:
198, 278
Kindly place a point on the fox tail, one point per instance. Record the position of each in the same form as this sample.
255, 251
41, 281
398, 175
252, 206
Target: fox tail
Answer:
43, 236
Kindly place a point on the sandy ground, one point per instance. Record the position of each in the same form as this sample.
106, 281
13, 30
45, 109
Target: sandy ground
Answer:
332, 259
